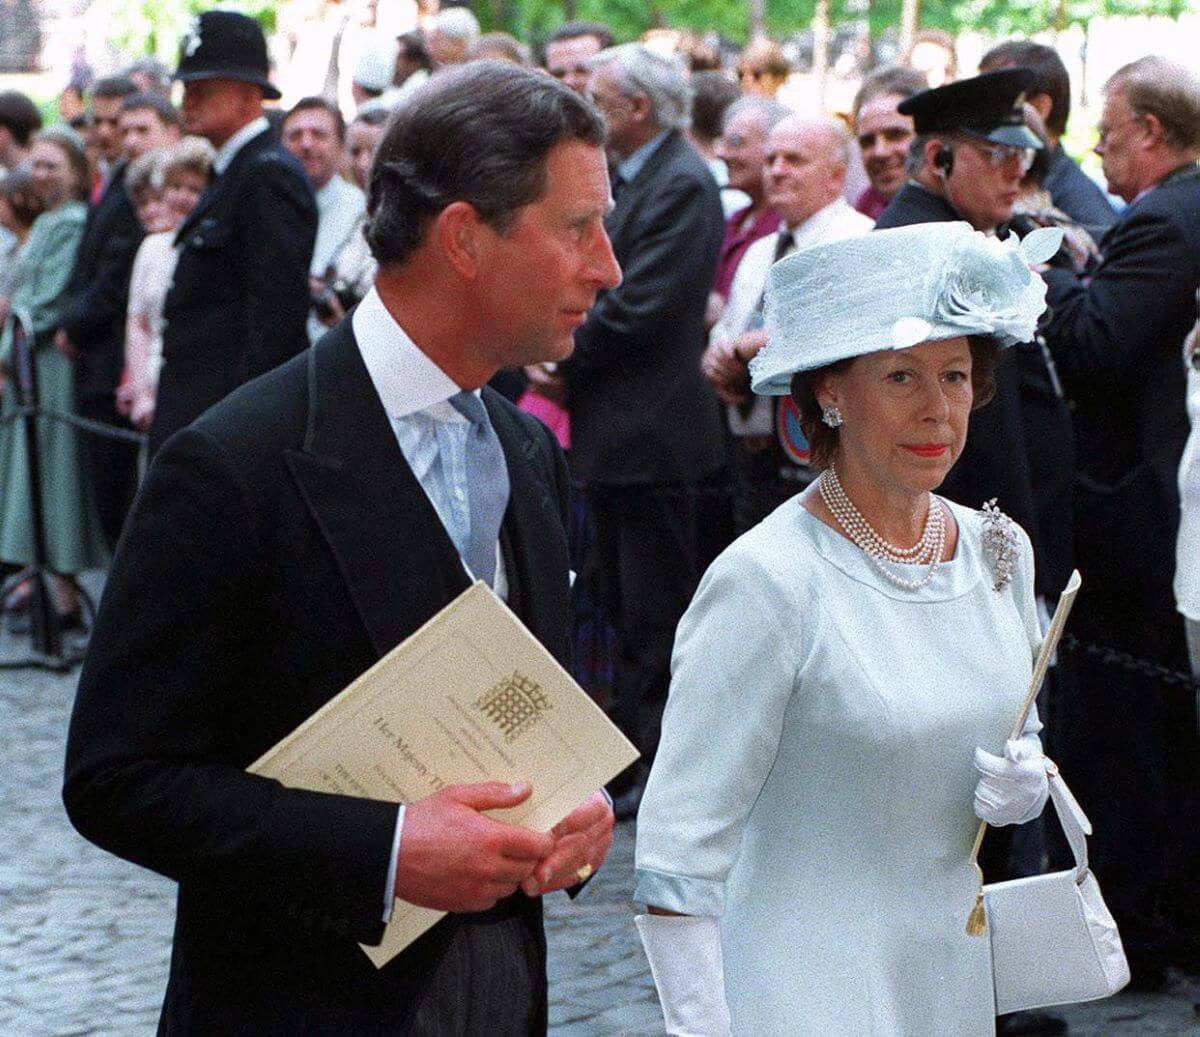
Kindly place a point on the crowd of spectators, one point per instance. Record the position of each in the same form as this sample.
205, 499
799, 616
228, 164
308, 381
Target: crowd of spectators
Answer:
157, 257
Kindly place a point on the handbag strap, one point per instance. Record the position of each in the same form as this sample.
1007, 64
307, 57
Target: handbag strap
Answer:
1075, 824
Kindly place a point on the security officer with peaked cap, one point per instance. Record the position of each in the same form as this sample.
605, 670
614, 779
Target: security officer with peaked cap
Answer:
971, 150
239, 300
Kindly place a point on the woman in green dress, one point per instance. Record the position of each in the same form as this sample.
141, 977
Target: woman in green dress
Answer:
74, 541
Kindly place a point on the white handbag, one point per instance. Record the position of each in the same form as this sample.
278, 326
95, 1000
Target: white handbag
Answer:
1053, 939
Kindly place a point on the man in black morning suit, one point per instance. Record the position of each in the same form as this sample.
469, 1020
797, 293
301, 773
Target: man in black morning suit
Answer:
646, 428
304, 527
239, 298
1117, 337
92, 329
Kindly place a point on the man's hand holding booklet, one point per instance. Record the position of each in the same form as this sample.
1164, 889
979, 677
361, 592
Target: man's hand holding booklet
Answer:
477, 728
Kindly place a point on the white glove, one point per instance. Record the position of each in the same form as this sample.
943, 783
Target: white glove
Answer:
1013, 787
685, 960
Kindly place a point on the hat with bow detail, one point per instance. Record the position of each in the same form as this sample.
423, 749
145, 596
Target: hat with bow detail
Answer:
893, 289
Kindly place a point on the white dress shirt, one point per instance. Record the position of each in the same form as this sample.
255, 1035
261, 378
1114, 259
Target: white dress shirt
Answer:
432, 435
1187, 556
227, 151
340, 207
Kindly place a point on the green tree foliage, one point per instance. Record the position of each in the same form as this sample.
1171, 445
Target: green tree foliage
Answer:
534, 19
156, 26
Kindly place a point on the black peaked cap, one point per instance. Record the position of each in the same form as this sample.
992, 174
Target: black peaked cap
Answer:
989, 106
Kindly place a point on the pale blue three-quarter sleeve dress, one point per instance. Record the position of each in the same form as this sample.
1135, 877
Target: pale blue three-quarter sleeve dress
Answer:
813, 787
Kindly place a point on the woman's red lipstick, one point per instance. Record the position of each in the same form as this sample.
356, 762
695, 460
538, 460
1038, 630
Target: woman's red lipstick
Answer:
928, 449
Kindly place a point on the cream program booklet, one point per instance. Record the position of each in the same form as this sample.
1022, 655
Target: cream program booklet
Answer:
471, 696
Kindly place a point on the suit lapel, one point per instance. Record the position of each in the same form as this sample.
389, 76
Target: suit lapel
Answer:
632, 192
396, 558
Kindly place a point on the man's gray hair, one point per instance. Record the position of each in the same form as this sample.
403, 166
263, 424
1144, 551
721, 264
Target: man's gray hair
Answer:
459, 24
1169, 91
769, 110
641, 71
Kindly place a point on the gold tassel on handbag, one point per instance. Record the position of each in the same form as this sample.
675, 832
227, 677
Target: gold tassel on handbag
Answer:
977, 920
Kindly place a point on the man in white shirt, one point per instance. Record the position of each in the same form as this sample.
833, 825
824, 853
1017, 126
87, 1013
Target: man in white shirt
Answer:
805, 171
315, 132
303, 528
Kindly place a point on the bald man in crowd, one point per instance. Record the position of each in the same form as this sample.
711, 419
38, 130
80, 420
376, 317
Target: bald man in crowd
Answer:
803, 178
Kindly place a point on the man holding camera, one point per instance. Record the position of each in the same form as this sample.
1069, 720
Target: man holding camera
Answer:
240, 296
315, 132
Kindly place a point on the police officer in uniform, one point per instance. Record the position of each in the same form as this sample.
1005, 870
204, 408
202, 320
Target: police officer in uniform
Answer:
971, 150
240, 298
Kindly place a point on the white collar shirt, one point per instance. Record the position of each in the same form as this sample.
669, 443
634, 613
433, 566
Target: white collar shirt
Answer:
227, 151
432, 435
415, 394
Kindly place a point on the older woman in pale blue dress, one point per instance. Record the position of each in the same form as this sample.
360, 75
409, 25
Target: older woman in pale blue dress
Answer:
804, 845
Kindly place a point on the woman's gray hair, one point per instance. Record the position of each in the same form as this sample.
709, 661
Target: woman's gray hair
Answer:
640, 71
1169, 91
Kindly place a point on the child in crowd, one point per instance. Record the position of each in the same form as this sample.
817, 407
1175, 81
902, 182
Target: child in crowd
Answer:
165, 186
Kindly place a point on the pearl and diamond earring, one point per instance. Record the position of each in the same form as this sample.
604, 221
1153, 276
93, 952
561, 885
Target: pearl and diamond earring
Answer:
831, 416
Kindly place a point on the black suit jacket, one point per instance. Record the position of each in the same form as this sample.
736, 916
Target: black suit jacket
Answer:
239, 299
641, 412
98, 291
1116, 340
1020, 447
279, 547
1073, 191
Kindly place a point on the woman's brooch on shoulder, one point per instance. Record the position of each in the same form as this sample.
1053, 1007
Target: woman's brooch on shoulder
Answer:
999, 544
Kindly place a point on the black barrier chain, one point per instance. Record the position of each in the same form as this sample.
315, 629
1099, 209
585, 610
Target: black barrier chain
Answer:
1125, 661
86, 424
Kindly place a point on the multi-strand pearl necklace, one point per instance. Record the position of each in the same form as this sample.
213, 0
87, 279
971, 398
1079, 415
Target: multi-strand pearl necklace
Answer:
927, 551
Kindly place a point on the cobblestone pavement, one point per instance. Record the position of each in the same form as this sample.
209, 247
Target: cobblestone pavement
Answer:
85, 938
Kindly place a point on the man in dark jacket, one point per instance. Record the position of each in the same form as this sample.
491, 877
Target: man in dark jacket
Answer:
1116, 339
645, 425
92, 329
1070, 188
303, 528
240, 297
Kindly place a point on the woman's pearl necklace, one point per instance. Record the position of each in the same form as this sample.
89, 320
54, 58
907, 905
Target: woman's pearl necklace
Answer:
927, 551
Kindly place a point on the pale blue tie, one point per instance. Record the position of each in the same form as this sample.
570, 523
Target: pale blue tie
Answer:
487, 485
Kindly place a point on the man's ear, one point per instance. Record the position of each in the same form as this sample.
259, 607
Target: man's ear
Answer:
640, 107
1154, 131
1042, 104
933, 148
458, 230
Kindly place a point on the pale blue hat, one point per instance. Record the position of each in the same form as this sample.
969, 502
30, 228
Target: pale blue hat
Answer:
892, 289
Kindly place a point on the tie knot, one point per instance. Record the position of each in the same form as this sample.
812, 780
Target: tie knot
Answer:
470, 407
